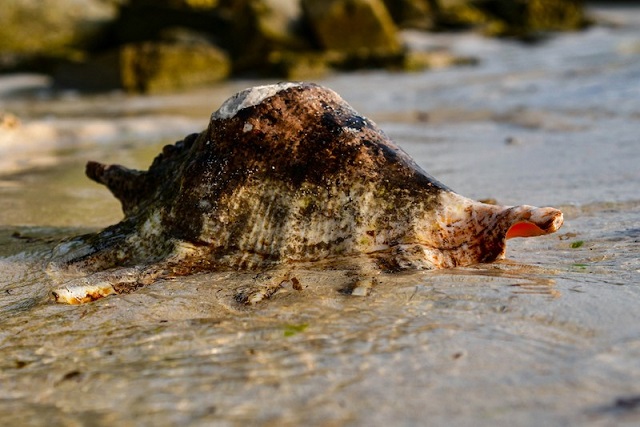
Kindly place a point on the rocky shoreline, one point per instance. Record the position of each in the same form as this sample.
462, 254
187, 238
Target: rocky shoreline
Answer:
146, 46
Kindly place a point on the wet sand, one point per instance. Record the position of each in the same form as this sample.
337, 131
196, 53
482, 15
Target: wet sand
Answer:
550, 336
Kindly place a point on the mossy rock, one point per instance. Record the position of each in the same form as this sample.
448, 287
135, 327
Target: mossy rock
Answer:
50, 27
556, 15
528, 18
148, 67
160, 67
249, 30
417, 14
36, 34
517, 18
260, 29
460, 15
298, 66
354, 26
145, 20
280, 22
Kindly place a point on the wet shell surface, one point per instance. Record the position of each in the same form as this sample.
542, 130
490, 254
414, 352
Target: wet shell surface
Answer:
284, 174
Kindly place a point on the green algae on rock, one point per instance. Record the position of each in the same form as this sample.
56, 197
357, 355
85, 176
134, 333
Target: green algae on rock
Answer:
148, 67
285, 174
52, 27
334, 21
520, 19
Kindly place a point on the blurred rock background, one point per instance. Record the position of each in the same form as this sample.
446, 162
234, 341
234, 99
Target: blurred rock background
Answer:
150, 46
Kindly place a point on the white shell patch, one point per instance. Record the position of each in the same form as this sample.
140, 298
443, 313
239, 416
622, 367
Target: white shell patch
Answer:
248, 98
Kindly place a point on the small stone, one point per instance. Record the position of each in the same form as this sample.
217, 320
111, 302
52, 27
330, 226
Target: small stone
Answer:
362, 287
9, 121
512, 140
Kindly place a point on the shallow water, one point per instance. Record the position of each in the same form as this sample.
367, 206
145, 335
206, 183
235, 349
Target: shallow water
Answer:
551, 336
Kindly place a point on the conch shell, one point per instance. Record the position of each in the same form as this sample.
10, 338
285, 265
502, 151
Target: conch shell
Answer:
284, 174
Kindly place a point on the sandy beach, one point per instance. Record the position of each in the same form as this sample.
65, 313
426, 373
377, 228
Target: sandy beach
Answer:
550, 336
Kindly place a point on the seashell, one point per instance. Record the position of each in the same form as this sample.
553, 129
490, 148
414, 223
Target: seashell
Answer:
284, 174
